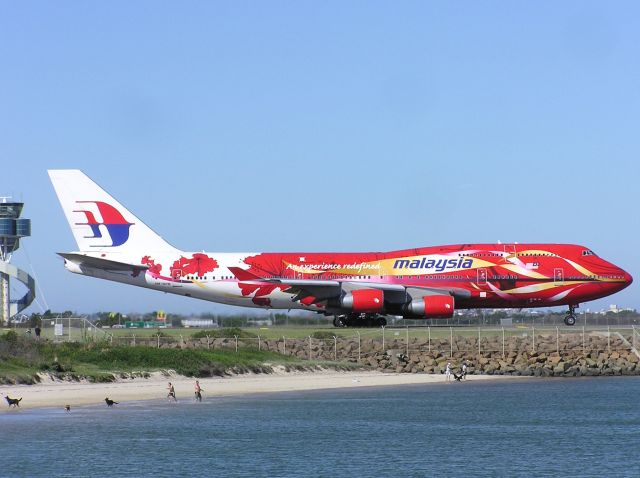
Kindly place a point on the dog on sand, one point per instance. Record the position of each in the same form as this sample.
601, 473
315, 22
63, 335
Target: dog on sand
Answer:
109, 402
13, 402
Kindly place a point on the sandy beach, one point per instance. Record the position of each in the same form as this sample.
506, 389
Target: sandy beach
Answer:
51, 393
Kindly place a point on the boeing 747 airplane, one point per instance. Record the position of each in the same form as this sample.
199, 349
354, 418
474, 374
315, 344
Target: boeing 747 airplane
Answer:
357, 289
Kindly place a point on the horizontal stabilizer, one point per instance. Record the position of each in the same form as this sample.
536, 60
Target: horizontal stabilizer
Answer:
105, 264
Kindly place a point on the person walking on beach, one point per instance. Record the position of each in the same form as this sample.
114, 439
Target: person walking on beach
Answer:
172, 393
464, 370
198, 391
447, 371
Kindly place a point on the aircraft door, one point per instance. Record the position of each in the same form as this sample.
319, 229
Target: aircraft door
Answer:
510, 249
482, 276
558, 274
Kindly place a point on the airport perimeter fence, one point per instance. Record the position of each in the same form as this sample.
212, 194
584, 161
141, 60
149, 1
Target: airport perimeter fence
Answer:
445, 342
67, 329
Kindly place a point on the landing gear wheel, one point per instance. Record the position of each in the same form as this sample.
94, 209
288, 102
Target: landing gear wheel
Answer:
359, 320
570, 319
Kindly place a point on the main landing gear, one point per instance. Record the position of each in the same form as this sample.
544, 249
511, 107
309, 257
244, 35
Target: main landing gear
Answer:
570, 319
359, 320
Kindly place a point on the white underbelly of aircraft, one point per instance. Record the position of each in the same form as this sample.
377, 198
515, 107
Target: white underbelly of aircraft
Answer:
222, 292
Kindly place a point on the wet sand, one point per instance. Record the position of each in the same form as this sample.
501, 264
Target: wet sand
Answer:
50, 393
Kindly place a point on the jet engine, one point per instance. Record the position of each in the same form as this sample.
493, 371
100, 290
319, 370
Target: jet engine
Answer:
309, 300
363, 300
432, 306
72, 266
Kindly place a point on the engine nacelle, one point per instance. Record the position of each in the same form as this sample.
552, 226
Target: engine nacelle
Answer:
72, 267
432, 306
309, 300
363, 300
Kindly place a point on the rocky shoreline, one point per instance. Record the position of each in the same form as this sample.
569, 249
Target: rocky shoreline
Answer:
519, 364
545, 354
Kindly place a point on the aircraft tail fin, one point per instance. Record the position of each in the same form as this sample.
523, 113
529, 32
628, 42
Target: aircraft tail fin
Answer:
99, 223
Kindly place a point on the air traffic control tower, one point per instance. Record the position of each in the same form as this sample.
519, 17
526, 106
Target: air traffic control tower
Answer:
12, 229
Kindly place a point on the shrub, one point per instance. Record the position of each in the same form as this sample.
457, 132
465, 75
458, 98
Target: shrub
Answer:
10, 337
322, 335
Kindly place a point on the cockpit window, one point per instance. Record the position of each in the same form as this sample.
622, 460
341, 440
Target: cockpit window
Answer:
587, 252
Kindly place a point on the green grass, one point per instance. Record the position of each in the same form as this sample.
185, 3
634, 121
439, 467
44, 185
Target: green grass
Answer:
189, 362
17, 371
300, 332
21, 359
224, 333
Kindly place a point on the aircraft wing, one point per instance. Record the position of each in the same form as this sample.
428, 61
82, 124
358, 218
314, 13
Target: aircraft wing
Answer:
326, 289
99, 263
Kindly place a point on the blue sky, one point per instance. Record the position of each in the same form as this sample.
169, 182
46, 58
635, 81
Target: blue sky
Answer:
323, 126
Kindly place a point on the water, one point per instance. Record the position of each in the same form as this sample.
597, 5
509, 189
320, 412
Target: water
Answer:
559, 427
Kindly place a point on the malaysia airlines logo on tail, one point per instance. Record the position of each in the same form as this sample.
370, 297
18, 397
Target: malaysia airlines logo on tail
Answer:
112, 220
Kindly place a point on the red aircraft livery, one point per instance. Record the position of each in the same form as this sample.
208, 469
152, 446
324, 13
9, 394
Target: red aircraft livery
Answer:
355, 288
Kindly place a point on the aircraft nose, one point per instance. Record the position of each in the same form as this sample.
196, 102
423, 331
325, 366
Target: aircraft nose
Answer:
623, 281
627, 278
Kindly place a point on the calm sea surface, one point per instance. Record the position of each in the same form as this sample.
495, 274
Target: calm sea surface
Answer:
561, 427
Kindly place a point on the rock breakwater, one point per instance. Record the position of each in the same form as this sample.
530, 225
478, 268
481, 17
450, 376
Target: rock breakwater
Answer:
546, 353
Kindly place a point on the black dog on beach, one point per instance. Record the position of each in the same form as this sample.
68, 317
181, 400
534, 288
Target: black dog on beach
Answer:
110, 402
15, 402
457, 377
